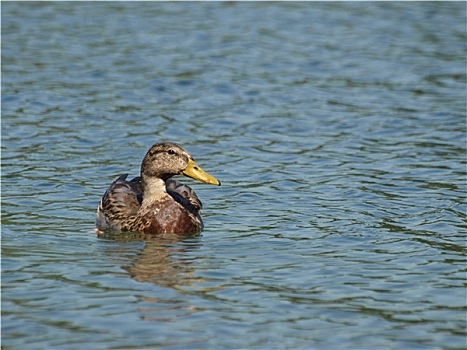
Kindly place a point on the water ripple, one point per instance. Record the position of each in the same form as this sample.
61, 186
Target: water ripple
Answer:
341, 149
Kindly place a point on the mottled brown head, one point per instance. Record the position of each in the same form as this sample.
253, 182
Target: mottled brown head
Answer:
167, 159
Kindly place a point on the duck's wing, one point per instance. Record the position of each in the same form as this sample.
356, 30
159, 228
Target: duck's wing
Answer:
184, 195
121, 201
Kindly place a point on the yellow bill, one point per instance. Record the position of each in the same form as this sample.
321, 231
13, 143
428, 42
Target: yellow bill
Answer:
194, 171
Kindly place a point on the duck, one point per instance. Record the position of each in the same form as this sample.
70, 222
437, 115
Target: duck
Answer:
154, 203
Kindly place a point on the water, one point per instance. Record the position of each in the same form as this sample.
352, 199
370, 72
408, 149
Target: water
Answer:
337, 130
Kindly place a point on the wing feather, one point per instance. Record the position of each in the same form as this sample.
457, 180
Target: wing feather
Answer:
185, 195
120, 201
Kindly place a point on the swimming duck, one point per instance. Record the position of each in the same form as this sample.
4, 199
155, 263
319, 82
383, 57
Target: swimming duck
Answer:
153, 202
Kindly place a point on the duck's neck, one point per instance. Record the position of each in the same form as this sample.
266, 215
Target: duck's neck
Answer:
153, 189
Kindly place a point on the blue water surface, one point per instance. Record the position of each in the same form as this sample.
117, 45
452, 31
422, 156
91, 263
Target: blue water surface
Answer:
338, 130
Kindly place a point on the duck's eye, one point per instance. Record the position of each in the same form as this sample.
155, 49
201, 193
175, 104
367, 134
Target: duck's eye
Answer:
171, 152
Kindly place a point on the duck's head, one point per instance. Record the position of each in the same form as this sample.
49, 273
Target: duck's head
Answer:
166, 159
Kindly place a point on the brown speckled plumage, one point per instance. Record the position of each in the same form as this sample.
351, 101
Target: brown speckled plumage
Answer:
154, 203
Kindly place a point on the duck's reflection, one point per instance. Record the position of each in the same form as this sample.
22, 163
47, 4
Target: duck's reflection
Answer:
164, 260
